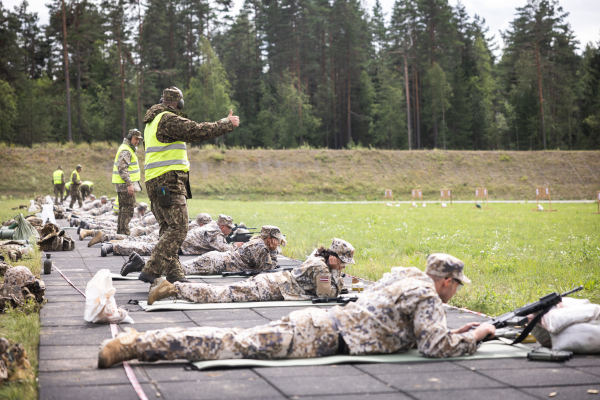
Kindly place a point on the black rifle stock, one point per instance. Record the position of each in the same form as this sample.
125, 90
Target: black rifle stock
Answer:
254, 273
340, 300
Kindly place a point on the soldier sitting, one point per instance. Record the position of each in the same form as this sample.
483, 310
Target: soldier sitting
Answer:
401, 311
318, 276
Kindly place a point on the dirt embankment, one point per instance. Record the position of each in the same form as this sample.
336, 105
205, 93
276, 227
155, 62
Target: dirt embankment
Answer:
327, 174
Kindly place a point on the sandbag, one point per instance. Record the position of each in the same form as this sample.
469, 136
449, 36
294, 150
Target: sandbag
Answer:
578, 338
100, 304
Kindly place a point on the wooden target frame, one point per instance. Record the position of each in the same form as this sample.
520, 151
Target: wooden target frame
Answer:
481, 193
388, 196
416, 195
543, 193
445, 194
598, 201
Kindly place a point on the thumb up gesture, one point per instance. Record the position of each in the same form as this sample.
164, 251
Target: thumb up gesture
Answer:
235, 120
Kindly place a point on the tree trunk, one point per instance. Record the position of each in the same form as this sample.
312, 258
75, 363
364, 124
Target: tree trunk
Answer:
418, 101
539, 75
407, 102
122, 74
140, 75
66, 66
79, 123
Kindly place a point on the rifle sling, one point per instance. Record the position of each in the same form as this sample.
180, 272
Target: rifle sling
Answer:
530, 326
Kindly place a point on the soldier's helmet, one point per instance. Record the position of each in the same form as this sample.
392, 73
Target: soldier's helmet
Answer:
204, 218
271, 231
19, 276
344, 250
225, 220
446, 266
135, 133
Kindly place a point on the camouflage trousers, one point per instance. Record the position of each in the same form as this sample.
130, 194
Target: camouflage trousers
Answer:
258, 288
126, 247
59, 191
75, 195
85, 191
304, 333
101, 225
126, 206
143, 230
212, 263
173, 222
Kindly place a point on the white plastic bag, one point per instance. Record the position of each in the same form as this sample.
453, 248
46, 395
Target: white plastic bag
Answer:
49, 200
444, 205
578, 338
100, 304
32, 207
48, 214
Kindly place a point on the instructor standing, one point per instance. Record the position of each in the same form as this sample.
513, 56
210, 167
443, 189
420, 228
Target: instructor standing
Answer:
126, 177
75, 184
167, 177
58, 179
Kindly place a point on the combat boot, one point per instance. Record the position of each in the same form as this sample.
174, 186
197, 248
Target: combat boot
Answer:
107, 248
134, 264
119, 349
83, 233
144, 277
96, 239
161, 291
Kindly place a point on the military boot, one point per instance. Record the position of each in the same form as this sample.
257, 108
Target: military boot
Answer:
119, 349
144, 277
161, 291
83, 233
135, 264
107, 248
96, 239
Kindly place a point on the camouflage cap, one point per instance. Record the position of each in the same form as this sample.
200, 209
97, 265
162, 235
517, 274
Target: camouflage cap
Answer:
19, 276
135, 133
172, 94
344, 250
271, 231
104, 198
142, 205
93, 196
226, 220
78, 166
204, 218
446, 266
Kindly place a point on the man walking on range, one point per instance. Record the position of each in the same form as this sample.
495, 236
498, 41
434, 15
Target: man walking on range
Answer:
126, 177
58, 179
75, 184
167, 177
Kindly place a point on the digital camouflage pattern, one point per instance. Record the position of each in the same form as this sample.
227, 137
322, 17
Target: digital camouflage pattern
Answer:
4, 267
271, 231
126, 208
10, 296
103, 209
126, 248
446, 266
344, 250
204, 239
398, 312
144, 230
14, 365
226, 220
22, 277
263, 287
311, 279
304, 333
123, 162
90, 206
253, 255
203, 218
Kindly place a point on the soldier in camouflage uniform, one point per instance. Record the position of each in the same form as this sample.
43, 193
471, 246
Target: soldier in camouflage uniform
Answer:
31, 287
211, 237
167, 169
259, 254
124, 184
401, 311
318, 276
74, 190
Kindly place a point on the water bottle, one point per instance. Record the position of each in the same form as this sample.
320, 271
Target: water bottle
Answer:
48, 264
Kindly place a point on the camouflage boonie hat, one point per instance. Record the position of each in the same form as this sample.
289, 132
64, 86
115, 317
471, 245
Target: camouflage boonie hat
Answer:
203, 218
135, 133
19, 276
446, 266
226, 220
172, 94
93, 196
344, 250
104, 198
142, 205
271, 231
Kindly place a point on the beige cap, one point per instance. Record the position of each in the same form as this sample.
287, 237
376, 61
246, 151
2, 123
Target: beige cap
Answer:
203, 218
446, 266
344, 250
271, 231
226, 220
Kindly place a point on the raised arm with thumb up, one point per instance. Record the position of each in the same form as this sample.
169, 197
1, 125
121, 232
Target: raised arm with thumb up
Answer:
235, 120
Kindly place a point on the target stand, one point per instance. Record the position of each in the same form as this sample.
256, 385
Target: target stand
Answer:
481, 193
388, 197
598, 201
542, 193
445, 194
416, 195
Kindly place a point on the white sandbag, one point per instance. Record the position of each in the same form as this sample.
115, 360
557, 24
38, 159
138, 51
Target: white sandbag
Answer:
32, 207
578, 338
558, 319
100, 304
48, 214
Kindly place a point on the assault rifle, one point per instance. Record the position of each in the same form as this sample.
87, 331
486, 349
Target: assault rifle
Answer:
543, 305
339, 300
240, 234
254, 273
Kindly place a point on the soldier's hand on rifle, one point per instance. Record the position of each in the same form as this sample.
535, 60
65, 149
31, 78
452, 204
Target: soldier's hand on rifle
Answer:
239, 244
235, 120
484, 330
465, 328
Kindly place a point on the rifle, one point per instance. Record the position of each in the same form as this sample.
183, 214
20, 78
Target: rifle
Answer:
340, 300
543, 305
240, 234
254, 273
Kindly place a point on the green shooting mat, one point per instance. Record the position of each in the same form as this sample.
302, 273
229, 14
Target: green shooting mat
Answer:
487, 351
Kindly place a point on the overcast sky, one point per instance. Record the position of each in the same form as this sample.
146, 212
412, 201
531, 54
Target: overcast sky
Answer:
584, 15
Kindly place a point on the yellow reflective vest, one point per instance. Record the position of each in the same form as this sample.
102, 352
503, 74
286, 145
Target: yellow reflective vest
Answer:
163, 157
133, 169
57, 177
77, 174
68, 185
116, 206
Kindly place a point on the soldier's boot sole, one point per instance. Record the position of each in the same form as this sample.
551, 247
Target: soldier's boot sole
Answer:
162, 291
96, 239
119, 349
135, 264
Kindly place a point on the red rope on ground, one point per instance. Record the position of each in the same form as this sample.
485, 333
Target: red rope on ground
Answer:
113, 330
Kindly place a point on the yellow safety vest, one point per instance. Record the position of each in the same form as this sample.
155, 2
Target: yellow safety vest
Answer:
163, 157
68, 185
133, 169
116, 206
75, 173
88, 183
57, 176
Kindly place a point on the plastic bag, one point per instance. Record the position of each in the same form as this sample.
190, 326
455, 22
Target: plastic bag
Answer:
570, 312
25, 230
32, 207
48, 214
49, 200
100, 304
578, 338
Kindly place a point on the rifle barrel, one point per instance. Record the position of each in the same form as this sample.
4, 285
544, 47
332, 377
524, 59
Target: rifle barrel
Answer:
577, 289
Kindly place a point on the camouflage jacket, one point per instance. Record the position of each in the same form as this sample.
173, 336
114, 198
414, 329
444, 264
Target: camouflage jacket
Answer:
254, 255
398, 312
92, 205
312, 279
123, 162
175, 127
103, 209
202, 239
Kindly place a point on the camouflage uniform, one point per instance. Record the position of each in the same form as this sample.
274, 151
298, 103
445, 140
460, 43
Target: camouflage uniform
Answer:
103, 209
202, 218
86, 190
126, 202
90, 206
173, 220
127, 247
204, 239
144, 230
59, 189
22, 277
399, 312
75, 193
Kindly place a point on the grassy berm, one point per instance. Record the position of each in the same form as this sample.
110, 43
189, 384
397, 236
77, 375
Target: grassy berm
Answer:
364, 174
21, 325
